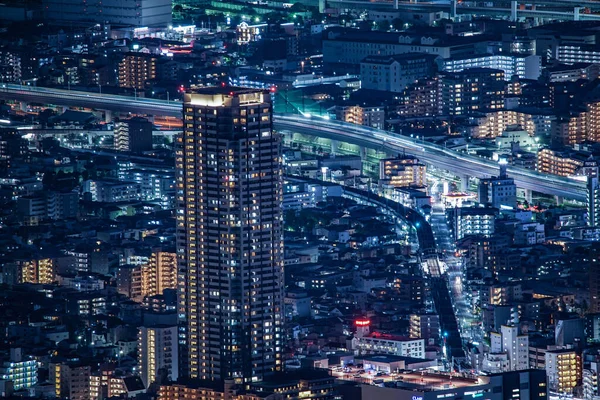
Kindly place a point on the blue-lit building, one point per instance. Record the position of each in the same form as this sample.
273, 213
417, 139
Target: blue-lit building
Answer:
22, 372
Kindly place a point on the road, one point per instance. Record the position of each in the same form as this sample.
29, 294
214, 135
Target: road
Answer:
438, 156
455, 273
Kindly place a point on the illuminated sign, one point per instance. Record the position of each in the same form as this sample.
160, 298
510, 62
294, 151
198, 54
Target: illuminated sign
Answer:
417, 398
363, 322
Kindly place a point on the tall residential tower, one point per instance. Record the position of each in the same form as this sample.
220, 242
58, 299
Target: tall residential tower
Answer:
229, 223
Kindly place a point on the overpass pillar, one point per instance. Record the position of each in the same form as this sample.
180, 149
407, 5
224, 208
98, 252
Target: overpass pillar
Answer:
108, 116
513, 11
23, 106
528, 195
363, 153
335, 145
150, 118
464, 183
576, 11
559, 200
453, 9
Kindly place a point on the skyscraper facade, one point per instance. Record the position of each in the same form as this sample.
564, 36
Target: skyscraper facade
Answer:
229, 229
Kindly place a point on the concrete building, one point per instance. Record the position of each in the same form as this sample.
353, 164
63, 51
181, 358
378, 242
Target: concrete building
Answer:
561, 162
498, 191
41, 271
232, 231
133, 135
158, 349
373, 116
394, 73
472, 90
70, 380
523, 66
564, 370
111, 190
514, 345
21, 371
47, 205
137, 13
402, 171
421, 98
426, 326
477, 221
136, 69
367, 342
348, 47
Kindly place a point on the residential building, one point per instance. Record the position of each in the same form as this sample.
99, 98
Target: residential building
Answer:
111, 190
402, 171
71, 380
138, 13
472, 90
421, 98
21, 371
467, 221
136, 69
158, 350
394, 73
426, 326
523, 66
233, 231
351, 46
564, 370
513, 344
561, 162
498, 191
133, 135
373, 116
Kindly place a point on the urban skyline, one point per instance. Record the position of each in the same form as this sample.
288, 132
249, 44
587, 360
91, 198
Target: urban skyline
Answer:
240, 200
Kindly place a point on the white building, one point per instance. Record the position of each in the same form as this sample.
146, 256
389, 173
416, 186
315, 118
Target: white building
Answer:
394, 73
523, 66
514, 346
378, 343
111, 191
158, 349
564, 370
138, 13
498, 191
473, 221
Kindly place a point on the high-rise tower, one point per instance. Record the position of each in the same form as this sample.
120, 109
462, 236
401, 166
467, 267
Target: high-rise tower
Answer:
229, 234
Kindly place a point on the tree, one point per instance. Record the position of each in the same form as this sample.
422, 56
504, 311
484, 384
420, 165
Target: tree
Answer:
398, 24
383, 26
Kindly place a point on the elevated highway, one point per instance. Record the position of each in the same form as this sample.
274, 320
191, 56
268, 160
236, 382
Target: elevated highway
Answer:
438, 156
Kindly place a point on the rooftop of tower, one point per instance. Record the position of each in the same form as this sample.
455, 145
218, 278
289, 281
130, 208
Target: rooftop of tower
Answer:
219, 96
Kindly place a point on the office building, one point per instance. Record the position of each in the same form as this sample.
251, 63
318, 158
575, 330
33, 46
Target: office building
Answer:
593, 201
70, 380
137, 13
134, 135
468, 221
135, 69
472, 90
158, 351
229, 229
395, 73
402, 171
564, 370
522, 66
498, 191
